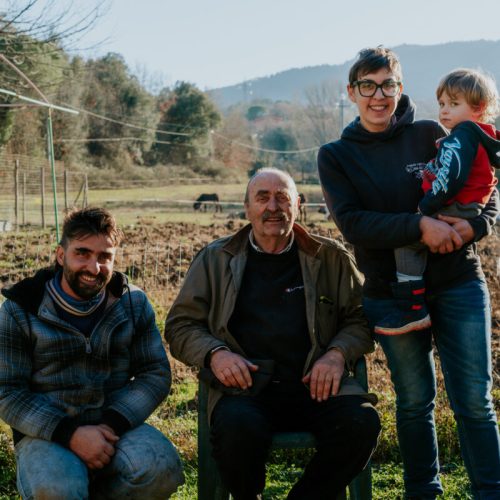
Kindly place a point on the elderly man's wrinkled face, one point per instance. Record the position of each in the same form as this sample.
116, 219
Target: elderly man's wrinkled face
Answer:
272, 206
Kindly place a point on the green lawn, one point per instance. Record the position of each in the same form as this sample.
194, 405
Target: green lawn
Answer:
177, 419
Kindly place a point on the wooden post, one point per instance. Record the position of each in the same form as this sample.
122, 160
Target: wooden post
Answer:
42, 188
66, 175
79, 193
16, 192
86, 192
24, 198
144, 261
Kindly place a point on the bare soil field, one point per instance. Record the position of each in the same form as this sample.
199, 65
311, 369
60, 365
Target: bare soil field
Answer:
156, 256
198, 236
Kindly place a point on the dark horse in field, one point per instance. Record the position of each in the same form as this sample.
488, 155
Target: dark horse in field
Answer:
207, 199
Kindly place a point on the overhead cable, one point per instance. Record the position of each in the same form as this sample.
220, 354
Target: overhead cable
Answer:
256, 148
127, 124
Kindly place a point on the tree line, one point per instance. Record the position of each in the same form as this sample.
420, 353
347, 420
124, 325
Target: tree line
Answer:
122, 124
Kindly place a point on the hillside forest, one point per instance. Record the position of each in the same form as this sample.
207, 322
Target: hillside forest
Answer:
128, 122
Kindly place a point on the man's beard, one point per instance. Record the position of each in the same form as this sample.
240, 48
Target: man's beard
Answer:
85, 290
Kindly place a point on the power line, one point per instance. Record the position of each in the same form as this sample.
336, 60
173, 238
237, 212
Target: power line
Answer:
118, 139
76, 110
256, 148
126, 124
103, 139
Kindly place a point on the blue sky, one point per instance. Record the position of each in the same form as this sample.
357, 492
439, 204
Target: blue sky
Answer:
220, 42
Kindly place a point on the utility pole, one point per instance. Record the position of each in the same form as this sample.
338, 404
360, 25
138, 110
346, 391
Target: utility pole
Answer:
342, 104
211, 146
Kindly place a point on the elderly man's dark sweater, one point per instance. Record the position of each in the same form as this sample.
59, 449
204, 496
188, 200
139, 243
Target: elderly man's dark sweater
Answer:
269, 318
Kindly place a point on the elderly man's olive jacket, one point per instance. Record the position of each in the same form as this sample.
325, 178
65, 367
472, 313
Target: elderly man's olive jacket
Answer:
198, 319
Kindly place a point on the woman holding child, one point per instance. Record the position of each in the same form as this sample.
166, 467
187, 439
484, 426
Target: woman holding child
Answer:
372, 179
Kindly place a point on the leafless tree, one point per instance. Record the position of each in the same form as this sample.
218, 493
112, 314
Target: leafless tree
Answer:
56, 22
322, 111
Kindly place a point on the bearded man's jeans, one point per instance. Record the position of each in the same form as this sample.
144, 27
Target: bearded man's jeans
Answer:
145, 466
461, 328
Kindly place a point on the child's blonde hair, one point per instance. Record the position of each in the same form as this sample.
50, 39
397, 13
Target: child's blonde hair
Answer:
478, 89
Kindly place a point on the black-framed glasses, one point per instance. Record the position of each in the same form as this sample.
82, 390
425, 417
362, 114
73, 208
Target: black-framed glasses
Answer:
368, 88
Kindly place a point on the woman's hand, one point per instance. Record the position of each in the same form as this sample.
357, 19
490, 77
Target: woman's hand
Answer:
461, 226
439, 236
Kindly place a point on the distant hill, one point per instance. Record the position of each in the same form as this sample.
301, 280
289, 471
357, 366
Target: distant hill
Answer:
423, 66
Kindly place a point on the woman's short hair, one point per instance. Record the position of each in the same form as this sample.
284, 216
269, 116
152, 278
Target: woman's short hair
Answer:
371, 60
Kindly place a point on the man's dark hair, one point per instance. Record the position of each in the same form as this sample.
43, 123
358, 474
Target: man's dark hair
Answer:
371, 60
90, 221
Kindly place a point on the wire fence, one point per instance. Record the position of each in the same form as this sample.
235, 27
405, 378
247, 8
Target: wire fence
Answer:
27, 188
156, 258
158, 267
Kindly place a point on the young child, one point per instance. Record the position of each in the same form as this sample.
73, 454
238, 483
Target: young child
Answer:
457, 183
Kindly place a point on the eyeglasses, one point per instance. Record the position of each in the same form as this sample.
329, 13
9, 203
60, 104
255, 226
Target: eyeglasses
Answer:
368, 88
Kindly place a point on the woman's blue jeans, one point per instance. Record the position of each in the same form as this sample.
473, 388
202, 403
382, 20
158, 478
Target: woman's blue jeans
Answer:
461, 328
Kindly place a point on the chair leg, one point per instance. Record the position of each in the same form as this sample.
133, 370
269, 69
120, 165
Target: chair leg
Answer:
361, 486
341, 496
206, 471
210, 485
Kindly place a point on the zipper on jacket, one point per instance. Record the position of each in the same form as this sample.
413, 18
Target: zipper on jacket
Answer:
88, 347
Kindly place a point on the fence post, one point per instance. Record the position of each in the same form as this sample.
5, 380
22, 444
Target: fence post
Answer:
24, 198
66, 180
86, 192
42, 188
16, 192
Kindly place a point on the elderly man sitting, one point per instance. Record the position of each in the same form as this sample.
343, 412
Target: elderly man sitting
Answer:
273, 314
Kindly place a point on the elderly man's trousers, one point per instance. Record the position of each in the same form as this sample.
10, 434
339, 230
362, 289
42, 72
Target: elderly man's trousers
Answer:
346, 430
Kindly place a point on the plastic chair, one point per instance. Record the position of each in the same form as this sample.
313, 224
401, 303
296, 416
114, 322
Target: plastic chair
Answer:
210, 486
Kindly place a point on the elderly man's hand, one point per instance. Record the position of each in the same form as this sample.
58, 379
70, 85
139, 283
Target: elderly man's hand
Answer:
94, 444
325, 375
232, 369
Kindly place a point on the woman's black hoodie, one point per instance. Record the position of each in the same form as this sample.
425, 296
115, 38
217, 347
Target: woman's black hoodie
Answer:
371, 183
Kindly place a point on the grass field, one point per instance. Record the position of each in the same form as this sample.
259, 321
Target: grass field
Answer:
176, 418
161, 203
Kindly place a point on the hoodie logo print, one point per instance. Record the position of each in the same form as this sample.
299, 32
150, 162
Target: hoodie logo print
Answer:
449, 152
416, 169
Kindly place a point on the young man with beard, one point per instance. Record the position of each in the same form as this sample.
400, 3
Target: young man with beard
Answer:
82, 367
275, 314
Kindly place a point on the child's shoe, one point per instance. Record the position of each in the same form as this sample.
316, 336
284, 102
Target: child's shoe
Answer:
410, 313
